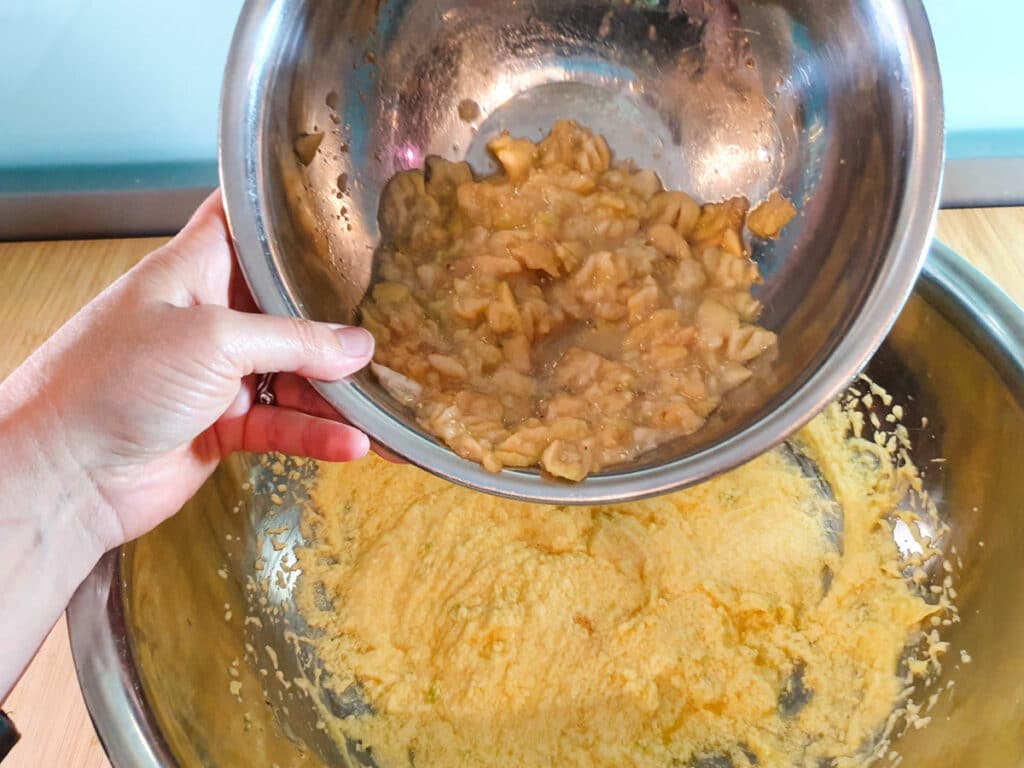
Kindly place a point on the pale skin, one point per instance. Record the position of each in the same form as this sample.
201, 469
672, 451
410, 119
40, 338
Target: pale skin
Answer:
118, 419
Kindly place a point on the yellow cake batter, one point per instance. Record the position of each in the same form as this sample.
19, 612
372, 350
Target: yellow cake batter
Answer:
718, 624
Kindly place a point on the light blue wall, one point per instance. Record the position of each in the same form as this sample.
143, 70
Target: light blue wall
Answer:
136, 81
111, 81
982, 58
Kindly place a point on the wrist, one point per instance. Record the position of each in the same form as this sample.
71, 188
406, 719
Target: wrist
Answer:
48, 453
48, 542
44, 490
47, 503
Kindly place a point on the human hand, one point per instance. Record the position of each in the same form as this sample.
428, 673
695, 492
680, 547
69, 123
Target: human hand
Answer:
140, 395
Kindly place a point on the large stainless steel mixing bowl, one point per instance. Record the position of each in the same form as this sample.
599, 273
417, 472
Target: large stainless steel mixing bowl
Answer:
155, 651
838, 103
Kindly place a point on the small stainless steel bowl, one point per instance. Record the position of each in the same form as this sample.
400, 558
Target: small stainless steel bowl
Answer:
157, 655
838, 104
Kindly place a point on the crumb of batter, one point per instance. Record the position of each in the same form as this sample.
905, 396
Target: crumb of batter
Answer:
761, 618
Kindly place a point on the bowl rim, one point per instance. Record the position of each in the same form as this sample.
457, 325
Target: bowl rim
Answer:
241, 181
108, 674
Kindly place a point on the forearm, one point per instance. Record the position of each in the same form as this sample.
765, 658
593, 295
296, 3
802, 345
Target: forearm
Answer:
47, 544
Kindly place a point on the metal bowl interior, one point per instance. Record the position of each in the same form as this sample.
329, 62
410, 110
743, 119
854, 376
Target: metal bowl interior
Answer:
155, 650
836, 104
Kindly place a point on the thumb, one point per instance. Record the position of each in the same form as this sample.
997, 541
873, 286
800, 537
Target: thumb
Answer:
254, 343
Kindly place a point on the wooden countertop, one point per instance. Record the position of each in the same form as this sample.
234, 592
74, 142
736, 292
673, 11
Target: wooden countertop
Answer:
47, 282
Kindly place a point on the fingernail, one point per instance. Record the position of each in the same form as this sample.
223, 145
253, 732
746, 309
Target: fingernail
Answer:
355, 342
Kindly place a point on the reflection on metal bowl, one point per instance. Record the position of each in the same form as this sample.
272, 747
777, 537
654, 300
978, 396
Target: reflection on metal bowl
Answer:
838, 104
154, 651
